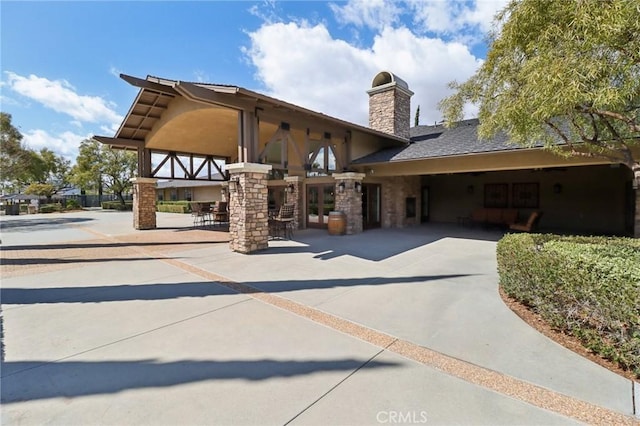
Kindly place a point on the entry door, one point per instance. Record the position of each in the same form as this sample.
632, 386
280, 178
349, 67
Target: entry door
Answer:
371, 205
424, 216
320, 201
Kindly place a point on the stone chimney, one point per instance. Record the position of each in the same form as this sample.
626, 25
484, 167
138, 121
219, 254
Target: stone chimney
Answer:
390, 105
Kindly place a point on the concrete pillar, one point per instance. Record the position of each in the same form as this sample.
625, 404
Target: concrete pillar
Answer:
348, 199
248, 207
144, 203
295, 186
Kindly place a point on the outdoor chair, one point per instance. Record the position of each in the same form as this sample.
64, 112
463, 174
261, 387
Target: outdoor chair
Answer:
530, 225
282, 223
201, 213
220, 213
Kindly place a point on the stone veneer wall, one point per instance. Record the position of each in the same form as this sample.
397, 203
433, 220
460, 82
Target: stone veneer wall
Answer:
390, 111
144, 203
248, 206
395, 191
349, 201
295, 197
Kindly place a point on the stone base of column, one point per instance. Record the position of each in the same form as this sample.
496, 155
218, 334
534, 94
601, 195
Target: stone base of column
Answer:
144, 203
294, 191
348, 199
248, 207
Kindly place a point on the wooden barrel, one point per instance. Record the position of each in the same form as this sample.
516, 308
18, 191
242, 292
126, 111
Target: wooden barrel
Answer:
337, 223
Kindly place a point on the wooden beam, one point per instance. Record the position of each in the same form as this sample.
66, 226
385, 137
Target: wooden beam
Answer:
150, 85
210, 96
129, 143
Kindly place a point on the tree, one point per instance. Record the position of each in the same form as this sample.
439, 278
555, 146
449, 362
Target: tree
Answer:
562, 73
87, 172
42, 189
98, 165
417, 119
14, 157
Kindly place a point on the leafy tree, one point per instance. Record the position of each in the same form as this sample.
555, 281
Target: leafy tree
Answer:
42, 189
98, 165
87, 172
14, 157
562, 73
54, 169
417, 119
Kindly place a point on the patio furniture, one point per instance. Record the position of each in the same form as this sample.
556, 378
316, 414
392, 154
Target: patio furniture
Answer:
201, 213
494, 216
220, 213
283, 222
529, 225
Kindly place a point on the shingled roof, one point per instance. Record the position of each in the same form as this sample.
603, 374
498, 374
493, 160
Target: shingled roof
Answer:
440, 141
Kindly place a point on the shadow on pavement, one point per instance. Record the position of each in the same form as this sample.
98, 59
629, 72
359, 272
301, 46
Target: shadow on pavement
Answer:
377, 244
79, 378
40, 224
80, 245
117, 293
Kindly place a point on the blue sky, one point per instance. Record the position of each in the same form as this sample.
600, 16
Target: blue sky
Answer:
61, 60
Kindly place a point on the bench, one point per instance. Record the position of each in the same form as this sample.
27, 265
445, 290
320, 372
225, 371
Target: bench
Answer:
494, 216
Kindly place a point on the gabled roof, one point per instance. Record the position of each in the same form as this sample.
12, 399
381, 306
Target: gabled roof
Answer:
440, 141
179, 183
156, 93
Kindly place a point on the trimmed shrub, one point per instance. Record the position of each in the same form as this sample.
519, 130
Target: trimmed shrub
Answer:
50, 208
170, 208
115, 205
72, 204
585, 286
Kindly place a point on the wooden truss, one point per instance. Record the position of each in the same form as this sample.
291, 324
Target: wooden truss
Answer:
188, 166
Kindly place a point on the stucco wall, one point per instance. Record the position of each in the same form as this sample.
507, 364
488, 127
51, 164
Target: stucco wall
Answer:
592, 198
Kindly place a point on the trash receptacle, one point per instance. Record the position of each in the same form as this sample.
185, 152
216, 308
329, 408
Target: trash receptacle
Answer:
13, 209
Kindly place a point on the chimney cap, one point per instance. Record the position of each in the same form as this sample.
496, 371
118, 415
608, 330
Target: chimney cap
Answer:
385, 80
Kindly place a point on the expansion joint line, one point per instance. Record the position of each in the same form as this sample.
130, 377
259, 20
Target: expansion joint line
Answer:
530, 393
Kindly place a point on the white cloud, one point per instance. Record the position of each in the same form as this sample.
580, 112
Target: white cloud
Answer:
376, 14
305, 65
451, 17
114, 71
65, 144
61, 96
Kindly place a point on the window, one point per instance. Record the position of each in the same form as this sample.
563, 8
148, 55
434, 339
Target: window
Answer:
496, 195
526, 195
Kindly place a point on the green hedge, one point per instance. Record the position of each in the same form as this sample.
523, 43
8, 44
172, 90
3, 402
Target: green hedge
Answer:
50, 208
170, 206
115, 205
585, 286
173, 208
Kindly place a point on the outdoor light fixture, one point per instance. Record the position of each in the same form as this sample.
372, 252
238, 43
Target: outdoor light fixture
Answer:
290, 188
233, 184
470, 189
557, 188
357, 186
341, 186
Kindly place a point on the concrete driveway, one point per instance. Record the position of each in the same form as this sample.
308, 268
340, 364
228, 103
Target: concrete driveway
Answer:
106, 325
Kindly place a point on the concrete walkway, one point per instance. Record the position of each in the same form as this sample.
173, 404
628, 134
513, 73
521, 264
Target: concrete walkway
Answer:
106, 325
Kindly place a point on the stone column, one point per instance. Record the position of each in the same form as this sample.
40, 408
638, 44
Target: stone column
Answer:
248, 207
144, 203
348, 199
294, 196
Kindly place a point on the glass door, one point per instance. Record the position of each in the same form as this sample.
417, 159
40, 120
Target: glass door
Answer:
320, 201
371, 205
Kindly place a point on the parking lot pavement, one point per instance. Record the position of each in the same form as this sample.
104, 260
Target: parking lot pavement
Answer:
106, 325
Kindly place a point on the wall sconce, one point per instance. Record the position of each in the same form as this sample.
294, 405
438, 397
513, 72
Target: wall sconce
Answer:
341, 186
470, 189
290, 188
557, 188
234, 182
357, 186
